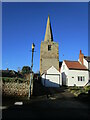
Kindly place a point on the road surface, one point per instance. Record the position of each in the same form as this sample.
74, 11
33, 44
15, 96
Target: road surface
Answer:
59, 103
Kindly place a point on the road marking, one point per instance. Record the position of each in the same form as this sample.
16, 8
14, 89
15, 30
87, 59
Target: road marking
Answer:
52, 98
18, 103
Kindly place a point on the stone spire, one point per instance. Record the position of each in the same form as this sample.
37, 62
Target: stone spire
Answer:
48, 34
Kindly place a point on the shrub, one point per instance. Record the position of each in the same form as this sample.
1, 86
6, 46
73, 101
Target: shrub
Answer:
9, 79
87, 88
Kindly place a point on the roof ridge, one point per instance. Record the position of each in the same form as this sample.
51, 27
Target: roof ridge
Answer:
71, 60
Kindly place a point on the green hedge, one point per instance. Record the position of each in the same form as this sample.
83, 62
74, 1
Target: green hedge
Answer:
87, 88
78, 90
9, 79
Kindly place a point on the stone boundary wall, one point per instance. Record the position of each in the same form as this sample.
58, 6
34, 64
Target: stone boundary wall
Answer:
15, 89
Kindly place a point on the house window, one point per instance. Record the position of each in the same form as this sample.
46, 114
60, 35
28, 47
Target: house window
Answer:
78, 78
49, 47
81, 78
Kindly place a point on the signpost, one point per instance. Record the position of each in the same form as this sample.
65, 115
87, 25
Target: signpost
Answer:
31, 73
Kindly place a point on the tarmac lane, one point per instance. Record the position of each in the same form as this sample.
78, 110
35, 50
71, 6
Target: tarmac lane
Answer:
57, 105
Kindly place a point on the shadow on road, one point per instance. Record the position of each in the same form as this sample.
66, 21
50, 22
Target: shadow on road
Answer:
47, 103
40, 90
47, 109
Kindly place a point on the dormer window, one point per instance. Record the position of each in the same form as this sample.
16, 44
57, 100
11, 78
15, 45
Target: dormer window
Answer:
49, 47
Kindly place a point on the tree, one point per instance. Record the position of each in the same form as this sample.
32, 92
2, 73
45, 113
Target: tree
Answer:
19, 69
26, 70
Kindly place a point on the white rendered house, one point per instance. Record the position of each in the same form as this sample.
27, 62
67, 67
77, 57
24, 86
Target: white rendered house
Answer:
73, 73
86, 62
51, 78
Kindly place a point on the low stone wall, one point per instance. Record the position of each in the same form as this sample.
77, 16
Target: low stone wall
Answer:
15, 89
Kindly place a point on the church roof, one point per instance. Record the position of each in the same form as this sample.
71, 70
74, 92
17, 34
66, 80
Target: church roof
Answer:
48, 34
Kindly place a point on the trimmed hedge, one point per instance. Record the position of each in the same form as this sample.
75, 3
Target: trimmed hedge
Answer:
9, 79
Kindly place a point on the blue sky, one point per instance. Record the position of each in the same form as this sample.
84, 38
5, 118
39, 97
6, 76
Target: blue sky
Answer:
25, 23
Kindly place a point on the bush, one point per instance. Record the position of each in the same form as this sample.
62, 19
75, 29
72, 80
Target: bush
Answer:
26, 70
9, 79
87, 88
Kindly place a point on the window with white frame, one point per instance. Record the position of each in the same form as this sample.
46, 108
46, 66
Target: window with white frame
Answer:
81, 78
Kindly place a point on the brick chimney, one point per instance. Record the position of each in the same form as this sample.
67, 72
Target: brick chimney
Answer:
81, 56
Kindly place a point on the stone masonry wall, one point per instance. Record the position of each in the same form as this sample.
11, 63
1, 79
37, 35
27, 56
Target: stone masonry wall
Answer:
15, 89
49, 64
49, 58
53, 53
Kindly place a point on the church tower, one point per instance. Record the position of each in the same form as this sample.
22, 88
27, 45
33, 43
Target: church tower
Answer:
49, 54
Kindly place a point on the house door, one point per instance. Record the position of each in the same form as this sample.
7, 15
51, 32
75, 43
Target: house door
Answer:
63, 79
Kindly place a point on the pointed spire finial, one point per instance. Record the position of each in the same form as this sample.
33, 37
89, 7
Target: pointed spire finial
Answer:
49, 16
48, 34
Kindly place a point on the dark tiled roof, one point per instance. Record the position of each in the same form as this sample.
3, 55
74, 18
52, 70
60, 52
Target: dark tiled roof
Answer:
75, 65
87, 58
